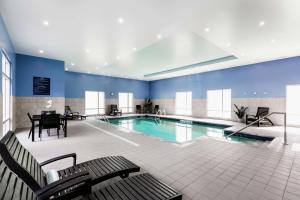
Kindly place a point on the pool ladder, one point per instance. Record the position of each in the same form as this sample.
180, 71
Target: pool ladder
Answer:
103, 118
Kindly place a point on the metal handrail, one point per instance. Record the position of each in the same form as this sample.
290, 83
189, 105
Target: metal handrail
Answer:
103, 117
260, 119
157, 119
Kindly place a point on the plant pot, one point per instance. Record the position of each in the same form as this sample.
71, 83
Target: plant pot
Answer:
240, 120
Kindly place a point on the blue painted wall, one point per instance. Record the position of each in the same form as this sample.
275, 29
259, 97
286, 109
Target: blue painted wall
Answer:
262, 80
78, 83
7, 46
30, 66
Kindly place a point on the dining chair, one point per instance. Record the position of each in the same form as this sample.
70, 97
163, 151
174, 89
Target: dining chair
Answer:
36, 125
50, 121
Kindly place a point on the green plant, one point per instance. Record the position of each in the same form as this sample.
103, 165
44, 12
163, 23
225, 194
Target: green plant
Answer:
240, 111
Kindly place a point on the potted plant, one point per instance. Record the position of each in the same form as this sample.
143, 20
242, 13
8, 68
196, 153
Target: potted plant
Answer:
240, 112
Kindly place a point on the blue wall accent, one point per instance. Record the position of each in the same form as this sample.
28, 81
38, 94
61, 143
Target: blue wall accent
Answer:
30, 66
262, 80
7, 47
78, 83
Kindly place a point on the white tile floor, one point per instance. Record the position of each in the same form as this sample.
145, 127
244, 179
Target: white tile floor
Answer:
206, 169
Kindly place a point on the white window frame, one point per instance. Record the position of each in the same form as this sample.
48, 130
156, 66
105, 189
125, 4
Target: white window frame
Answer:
128, 105
292, 105
184, 108
100, 108
6, 94
222, 112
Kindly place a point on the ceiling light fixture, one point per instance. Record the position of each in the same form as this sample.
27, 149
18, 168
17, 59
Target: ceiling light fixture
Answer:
46, 23
134, 49
67, 69
87, 51
272, 41
118, 57
207, 29
261, 23
159, 36
121, 20
72, 64
41, 51
228, 44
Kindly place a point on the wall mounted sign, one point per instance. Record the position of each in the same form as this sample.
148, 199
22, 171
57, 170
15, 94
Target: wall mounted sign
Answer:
41, 86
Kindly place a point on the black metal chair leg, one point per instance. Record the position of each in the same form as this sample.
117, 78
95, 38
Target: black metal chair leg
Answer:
30, 133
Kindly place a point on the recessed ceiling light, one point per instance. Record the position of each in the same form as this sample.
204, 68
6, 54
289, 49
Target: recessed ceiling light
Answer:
261, 23
207, 29
121, 20
159, 36
272, 41
228, 44
72, 64
46, 23
134, 49
41, 51
87, 51
118, 57
67, 69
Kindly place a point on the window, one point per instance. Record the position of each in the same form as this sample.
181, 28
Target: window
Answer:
126, 102
219, 103
94, 103
183, 103
6, 92
292, 104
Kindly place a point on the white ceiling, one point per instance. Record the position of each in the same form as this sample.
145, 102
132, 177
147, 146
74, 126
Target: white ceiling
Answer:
88, 33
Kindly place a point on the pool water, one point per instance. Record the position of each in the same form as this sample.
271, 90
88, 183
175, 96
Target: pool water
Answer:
173, 130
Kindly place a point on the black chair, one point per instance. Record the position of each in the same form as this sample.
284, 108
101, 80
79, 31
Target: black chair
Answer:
36, 125
156, 108
114, 110
50, 121
27, 181
261, 112
138, 109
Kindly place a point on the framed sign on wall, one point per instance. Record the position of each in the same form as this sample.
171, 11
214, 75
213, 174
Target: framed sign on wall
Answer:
41, 86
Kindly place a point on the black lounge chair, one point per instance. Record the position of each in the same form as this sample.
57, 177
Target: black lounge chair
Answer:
18, 183
100, 169
261, 112
73, 115
138, 109
114, 110
156, 109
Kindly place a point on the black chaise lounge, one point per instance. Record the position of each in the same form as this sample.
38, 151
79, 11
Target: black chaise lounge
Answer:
18, 183
138, 109
114, 110
261, 112
99, 169
73, 115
